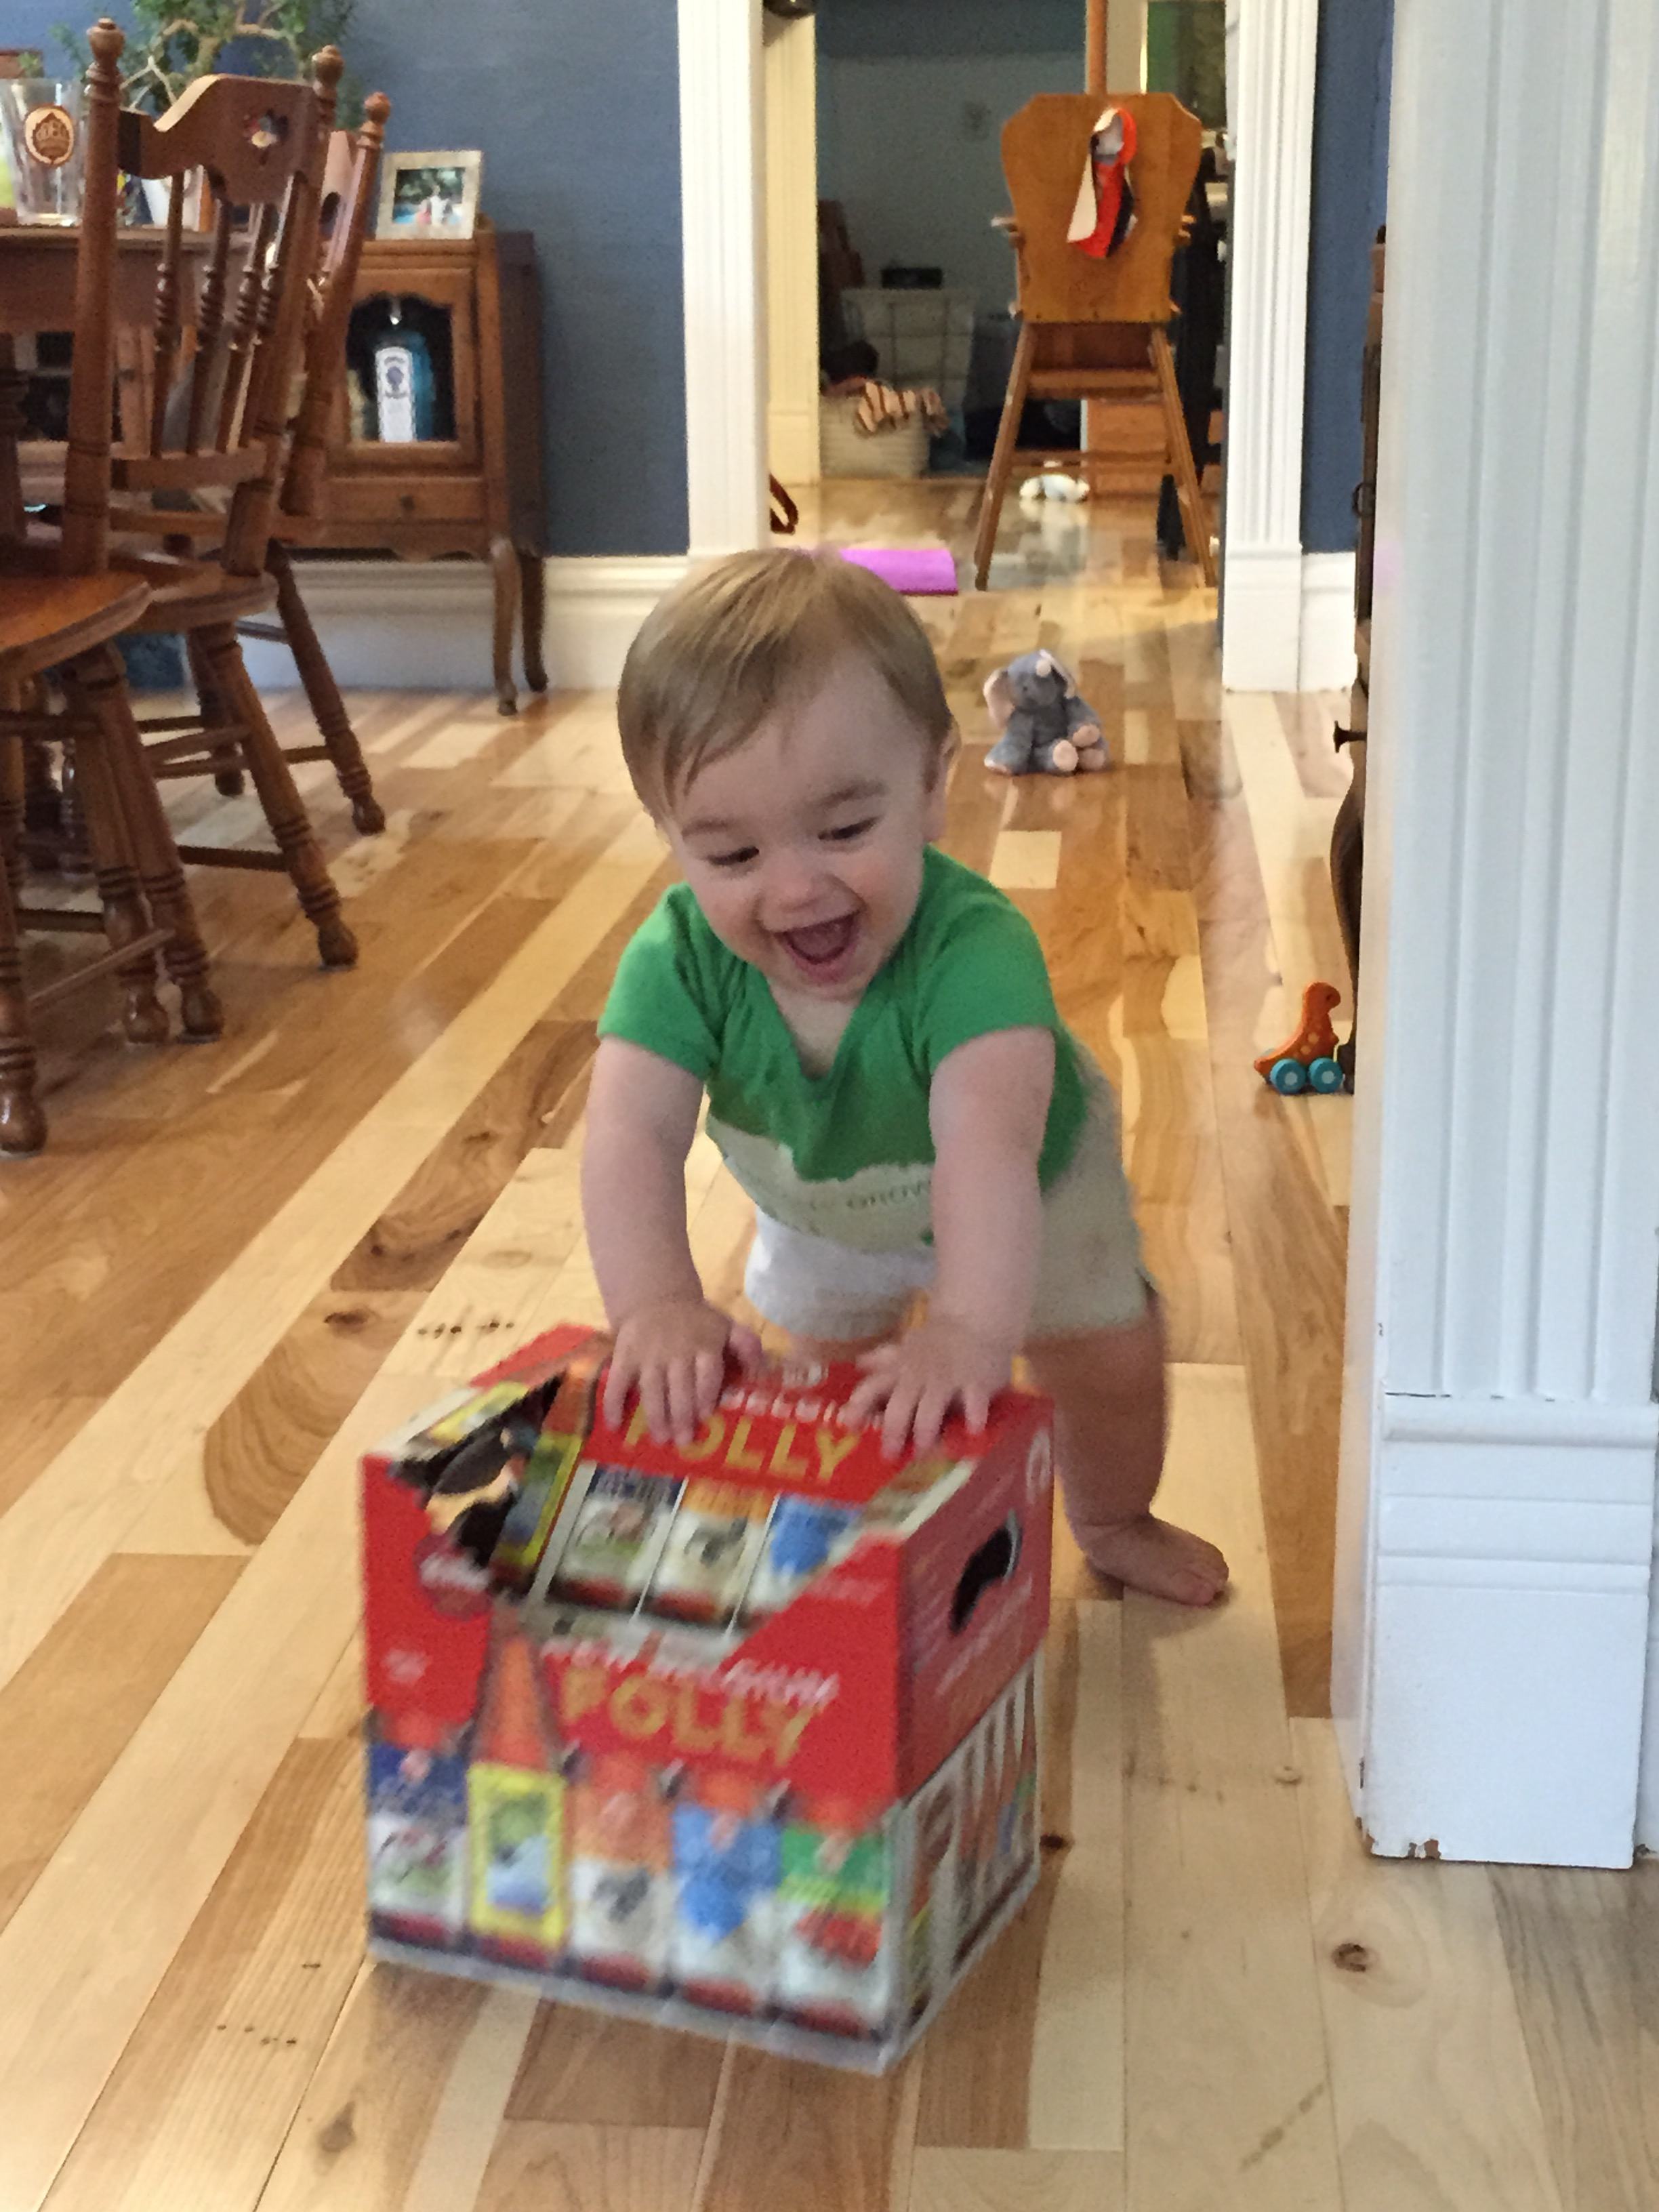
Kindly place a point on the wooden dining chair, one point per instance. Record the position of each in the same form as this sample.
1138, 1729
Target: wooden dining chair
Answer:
224, 354
60, 609
1096, 329
349, 198
350, 183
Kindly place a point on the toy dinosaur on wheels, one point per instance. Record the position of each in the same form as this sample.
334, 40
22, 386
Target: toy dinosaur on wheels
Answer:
1308, 1060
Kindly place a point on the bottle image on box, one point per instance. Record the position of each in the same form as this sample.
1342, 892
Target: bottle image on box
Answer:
929, 1918
622, 1890
834, 1968
710, 1551
417, 1832
617, 1523
1016, 1839
515, 1806
975, 1864
799, 1541
726, 1865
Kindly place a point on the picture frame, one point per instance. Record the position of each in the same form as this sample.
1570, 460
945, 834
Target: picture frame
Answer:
429, 195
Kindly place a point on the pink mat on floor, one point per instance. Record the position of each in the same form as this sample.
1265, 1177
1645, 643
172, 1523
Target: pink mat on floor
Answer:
921, 571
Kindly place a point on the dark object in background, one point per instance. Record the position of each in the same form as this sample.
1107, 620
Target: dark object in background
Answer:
839, 267
1050, 425
896, 278
1198, 288
855, 357
153, 663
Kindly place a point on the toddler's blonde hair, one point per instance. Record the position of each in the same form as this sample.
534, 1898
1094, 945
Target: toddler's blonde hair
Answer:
722, 650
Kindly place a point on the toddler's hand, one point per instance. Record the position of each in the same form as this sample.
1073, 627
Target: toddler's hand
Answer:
674, 1350
922, 1377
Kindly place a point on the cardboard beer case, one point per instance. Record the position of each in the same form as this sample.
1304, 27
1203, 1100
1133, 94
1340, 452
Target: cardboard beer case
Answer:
739, 1737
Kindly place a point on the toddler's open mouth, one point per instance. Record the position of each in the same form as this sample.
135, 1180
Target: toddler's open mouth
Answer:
822, 949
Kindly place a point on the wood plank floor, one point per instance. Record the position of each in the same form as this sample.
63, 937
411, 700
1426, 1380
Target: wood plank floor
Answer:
238, 1264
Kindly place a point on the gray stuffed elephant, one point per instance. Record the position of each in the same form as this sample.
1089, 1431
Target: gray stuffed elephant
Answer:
1046, 728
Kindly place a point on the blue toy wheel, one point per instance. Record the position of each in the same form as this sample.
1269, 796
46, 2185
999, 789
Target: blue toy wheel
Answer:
1324, 1074
1288, 1076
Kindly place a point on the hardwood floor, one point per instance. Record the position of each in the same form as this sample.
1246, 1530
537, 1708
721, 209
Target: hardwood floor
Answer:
237, 1266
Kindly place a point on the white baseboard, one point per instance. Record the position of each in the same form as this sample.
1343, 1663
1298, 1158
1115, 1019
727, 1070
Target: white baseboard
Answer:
427, 625
1288, 624
1326, 658
1514, 1550
1261, 619
594, 607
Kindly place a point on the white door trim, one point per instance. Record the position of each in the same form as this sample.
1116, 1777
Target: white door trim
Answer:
722, 174
792, 247
1496, 1508
1271, 109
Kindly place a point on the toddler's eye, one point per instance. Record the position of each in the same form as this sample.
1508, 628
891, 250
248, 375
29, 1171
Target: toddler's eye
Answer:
849, 832
738, 858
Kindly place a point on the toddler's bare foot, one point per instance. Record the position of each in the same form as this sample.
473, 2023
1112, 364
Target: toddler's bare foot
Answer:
1146, 1553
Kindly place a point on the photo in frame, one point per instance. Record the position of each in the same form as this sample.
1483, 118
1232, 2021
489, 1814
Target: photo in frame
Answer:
429, 195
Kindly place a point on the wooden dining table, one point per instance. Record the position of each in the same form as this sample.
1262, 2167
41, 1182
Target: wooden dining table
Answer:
38, 263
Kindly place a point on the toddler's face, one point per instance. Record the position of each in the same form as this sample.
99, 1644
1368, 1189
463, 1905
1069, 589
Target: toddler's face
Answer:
804, 846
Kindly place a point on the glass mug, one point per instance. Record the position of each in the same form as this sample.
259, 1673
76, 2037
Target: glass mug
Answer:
40, 120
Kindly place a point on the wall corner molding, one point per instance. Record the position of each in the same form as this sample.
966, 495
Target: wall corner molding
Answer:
1496, 1677
1271, 129
722, 169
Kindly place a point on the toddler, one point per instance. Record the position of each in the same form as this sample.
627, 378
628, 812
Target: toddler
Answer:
886, 1073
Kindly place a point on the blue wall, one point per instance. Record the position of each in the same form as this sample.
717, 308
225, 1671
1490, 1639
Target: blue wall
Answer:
576, 106
1350, 183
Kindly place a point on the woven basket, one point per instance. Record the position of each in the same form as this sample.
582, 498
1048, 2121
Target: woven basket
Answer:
845, 450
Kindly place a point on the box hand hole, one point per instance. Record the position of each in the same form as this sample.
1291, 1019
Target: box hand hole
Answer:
993, 1562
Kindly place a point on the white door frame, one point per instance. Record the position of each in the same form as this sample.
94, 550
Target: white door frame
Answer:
790, 196
1495, 1537
1270, 103
723, 217
722, 188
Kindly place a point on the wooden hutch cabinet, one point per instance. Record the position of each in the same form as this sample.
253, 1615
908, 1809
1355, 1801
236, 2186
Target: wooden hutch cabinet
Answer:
437, 444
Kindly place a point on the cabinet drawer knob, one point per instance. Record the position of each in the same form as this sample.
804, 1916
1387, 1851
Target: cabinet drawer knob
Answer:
407, 500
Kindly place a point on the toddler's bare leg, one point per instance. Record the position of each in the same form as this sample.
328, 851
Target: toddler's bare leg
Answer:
1110, 1427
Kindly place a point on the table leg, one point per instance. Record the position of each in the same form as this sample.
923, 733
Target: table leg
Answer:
504, 562
532, 591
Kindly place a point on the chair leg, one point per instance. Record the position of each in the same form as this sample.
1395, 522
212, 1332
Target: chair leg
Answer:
328, 709
96, 683
1002, 458
532, 591
228, 778
1181, 458
13, 789
143, 1020
22, 1124
285, 809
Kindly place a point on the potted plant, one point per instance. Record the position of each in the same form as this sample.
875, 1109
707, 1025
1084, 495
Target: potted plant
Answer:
173, 42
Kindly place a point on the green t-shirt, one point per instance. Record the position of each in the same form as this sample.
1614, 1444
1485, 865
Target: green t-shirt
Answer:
848, 1155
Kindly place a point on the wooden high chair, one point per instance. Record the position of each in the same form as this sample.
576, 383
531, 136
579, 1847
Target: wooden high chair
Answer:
1095, 330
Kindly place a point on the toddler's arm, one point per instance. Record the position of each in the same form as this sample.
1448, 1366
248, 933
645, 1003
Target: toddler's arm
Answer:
989, 1109
641, 1118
